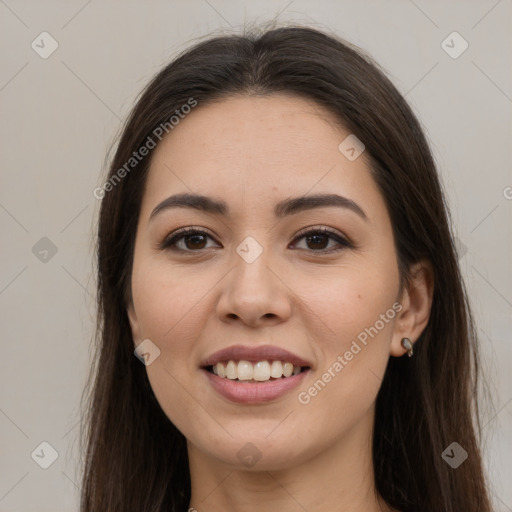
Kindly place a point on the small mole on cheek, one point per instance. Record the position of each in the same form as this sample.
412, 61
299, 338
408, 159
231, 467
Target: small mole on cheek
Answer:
359, 296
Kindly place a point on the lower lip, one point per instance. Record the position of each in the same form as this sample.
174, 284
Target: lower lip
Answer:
254, 392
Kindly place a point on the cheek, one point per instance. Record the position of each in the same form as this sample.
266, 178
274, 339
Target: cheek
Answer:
353, 299
168, 303
360, 316
169, 315
359, 309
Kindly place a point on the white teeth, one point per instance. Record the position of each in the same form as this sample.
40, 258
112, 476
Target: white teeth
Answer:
231, 370
221, 370
245, 370
276, 370
261, 371
287, 369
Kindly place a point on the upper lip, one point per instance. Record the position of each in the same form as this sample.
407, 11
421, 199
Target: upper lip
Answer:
254, 354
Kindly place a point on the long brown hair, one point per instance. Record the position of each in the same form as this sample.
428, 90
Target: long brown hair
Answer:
134, 457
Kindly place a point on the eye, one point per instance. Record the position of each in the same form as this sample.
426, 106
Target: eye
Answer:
193, 240
317, 237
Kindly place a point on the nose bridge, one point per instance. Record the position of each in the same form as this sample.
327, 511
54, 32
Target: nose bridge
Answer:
254, 291
252, 262
250, 250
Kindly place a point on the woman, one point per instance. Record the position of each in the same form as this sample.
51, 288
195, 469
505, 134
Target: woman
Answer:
275, 249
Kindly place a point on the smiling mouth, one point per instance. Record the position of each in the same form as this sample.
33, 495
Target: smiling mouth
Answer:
261, 371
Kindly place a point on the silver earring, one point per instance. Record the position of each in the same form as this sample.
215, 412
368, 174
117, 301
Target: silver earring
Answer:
407, 344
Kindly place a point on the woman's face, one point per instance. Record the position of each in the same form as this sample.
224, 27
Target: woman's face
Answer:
252, 286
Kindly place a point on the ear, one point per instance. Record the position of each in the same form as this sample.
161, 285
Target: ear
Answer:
134, 322
416, 301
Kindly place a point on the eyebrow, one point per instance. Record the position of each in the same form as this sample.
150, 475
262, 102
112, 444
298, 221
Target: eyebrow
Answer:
281, 209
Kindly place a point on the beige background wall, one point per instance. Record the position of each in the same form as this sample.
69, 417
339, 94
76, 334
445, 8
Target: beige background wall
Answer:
60, 113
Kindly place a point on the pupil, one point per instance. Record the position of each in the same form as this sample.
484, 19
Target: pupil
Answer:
194, 237
309, 238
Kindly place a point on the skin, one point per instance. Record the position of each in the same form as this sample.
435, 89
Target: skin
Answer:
251, 152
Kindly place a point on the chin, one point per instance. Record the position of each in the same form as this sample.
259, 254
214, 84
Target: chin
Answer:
257, 453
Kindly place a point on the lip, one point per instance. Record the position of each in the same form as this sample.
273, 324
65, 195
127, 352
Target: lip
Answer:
254, 393
253, 355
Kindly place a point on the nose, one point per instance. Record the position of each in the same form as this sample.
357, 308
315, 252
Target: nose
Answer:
255, 293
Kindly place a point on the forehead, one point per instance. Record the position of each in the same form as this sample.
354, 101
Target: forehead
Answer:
257, 147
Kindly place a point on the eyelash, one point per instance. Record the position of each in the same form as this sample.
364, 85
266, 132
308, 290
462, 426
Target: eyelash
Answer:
177, 235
